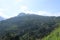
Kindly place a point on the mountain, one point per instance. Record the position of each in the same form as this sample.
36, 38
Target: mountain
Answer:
1, 18
27, 27
22, 14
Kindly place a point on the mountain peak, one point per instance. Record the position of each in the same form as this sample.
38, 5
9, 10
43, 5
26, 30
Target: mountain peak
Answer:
22, 14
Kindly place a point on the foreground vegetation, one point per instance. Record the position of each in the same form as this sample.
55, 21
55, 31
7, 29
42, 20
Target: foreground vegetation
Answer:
54, 35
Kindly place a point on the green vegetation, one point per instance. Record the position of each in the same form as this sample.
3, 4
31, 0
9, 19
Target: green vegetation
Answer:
54, 35
30, 27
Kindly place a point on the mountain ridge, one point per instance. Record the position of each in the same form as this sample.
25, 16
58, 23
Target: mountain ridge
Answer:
28, 26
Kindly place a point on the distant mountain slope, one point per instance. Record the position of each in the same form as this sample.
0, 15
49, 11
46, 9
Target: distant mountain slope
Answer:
27, 26
1, 18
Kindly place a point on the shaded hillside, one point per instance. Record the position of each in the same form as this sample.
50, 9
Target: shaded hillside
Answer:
27, 27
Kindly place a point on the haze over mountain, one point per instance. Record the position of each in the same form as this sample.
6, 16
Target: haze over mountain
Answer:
1, 18
9, 8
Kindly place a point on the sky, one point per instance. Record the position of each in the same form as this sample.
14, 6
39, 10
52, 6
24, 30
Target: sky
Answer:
11, 8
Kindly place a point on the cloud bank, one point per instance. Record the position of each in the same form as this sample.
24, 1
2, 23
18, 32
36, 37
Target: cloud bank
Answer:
25, 9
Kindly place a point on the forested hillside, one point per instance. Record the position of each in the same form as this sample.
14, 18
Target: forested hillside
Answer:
27, 27
55, 34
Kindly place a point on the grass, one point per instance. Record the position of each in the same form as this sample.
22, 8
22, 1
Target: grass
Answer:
55, 35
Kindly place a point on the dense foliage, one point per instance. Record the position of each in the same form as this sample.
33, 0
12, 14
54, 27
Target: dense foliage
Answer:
55, 34
27, 27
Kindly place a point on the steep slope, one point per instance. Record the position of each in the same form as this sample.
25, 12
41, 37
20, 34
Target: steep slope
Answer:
55, 35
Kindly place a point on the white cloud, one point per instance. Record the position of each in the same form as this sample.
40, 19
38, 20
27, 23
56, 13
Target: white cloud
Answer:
57, 14
3, 15
25, 9
45, 13
1, 9
19, 0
